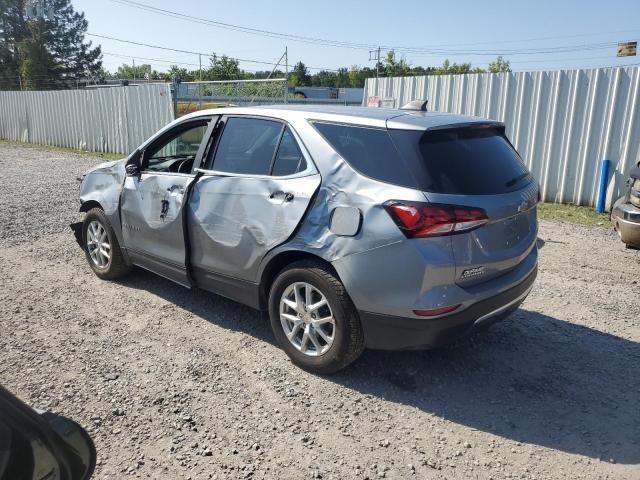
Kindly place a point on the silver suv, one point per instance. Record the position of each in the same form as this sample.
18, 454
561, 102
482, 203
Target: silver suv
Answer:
353, 227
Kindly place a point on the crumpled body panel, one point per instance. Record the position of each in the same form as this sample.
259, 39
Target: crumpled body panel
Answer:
233, 222
103, 184
151, 208
381, 269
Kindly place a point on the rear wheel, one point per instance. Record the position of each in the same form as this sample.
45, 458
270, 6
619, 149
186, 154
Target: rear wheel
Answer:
101, 246
313, 318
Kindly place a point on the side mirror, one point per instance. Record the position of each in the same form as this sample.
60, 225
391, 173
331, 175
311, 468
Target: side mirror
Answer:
133, 166
132, 169
38, 441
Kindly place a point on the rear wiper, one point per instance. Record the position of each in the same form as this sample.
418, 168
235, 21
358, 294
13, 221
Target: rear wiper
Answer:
515, 180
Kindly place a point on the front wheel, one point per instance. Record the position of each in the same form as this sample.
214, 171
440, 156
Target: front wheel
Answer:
313, 318
101, 246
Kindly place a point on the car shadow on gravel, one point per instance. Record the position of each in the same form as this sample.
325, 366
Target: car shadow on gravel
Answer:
533, 379
213, 308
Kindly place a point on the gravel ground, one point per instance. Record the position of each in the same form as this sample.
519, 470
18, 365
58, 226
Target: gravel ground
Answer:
183, 384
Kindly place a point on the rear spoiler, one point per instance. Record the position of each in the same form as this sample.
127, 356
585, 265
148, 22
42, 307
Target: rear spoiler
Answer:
473, 125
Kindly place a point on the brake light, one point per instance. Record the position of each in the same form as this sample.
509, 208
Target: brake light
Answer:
418, 219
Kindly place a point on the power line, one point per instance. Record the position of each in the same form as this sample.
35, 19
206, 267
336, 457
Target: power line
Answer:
578, 35
364, 46
125, 56
170, 49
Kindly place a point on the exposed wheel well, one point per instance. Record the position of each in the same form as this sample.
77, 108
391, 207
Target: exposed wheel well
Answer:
89, 204
279, 263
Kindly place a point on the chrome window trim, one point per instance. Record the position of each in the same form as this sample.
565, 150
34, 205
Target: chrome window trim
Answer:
172, 174
217, 173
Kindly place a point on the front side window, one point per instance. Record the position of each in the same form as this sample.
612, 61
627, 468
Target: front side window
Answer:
247, 146
174, 154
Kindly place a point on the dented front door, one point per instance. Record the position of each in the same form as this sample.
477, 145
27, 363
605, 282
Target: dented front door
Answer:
152, 223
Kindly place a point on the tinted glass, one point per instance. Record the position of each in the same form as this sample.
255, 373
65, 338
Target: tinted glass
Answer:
368, 150
184, 145
289, 159
465, 161
247, 146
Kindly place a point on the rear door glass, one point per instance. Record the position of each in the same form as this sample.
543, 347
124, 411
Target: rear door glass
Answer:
368, 150
289, 159
247, 146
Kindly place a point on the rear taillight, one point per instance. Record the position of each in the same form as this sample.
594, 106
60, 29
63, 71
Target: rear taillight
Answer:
418, 219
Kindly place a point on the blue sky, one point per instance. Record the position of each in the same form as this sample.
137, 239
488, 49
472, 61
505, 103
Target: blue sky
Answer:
465, 30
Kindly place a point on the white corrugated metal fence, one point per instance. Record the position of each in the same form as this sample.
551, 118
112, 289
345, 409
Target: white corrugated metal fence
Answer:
114, 120
563, 123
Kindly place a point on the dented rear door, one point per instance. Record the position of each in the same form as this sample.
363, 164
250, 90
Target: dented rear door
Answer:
259, 186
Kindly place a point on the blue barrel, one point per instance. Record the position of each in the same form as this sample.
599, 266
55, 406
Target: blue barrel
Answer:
602, 188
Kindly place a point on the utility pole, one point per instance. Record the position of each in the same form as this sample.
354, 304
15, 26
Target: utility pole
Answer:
200, 62
134, 69
375, 55
20, 82
286, 75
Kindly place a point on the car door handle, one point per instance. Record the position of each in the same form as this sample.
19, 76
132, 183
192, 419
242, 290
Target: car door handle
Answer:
285, 196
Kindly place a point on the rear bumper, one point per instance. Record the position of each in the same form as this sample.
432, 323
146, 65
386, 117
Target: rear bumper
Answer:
386, 332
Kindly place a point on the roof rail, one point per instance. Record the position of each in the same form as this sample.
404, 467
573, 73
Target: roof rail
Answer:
417, 105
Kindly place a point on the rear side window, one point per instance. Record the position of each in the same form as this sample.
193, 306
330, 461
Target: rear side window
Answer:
289, 159
368, 150
247, 146
463, 161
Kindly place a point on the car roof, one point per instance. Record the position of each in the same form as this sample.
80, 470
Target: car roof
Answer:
367, 116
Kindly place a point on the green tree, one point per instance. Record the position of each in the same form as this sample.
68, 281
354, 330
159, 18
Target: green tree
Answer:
223, 68
449, 68
130, 72
37, 65
266, 73
179, 73
323, 78
47, 48
299, 76
499, 65
395, 67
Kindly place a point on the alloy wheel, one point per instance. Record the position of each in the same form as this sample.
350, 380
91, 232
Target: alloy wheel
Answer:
307, 319
98, 244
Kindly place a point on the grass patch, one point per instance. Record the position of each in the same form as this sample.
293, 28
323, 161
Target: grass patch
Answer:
51, 148
573, 214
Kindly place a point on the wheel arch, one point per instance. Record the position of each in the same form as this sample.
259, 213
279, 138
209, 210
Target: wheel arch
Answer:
90, 204
279, 262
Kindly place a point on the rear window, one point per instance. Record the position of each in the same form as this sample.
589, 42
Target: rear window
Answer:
464, 161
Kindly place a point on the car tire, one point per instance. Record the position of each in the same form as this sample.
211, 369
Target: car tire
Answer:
345, 332
97, 234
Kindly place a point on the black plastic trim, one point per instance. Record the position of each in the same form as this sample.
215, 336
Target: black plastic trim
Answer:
242, 291
386, 332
